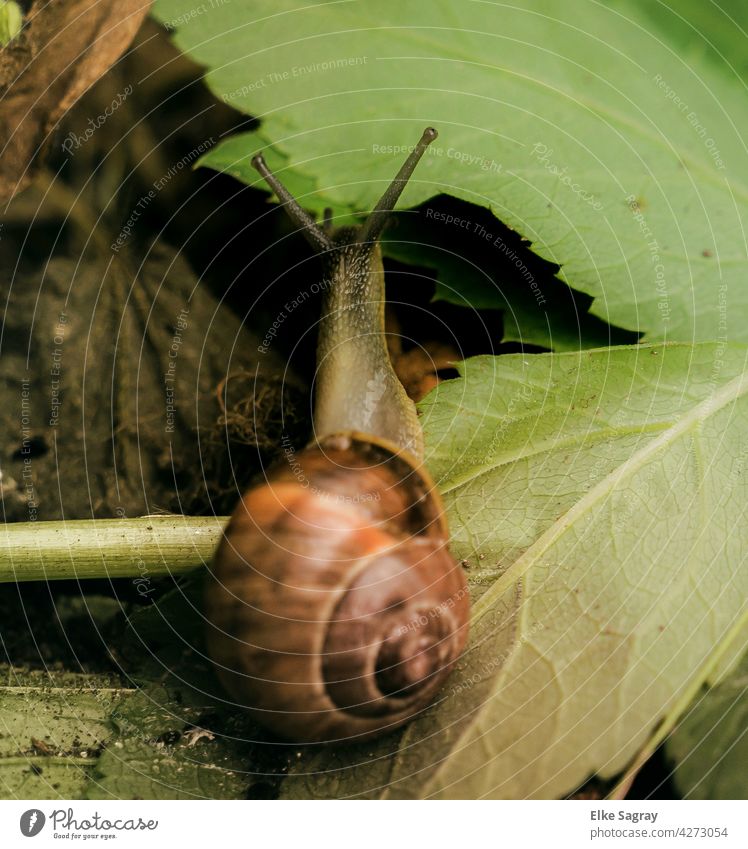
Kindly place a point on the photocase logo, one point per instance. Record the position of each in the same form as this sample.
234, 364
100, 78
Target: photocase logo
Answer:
32, 822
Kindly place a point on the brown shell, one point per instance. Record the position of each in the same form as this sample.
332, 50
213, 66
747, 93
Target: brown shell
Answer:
335, 608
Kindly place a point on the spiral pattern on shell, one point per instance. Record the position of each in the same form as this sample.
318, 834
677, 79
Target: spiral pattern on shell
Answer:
335, 610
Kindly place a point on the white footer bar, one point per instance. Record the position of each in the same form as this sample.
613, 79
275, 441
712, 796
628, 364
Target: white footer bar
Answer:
369, 825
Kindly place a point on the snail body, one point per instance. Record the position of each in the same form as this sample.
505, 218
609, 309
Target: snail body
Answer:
335, 610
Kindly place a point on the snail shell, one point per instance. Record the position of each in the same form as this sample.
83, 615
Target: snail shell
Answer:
335, 608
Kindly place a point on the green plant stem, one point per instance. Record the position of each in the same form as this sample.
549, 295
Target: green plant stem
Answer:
107, 548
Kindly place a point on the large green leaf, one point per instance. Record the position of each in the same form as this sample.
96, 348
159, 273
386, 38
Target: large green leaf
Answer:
161, 749
600, 500
710, 746
175, 738
717, 30
471, 272
65, 735
622, 159
52, 728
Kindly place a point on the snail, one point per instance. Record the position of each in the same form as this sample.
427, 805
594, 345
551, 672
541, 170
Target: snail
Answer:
335, 610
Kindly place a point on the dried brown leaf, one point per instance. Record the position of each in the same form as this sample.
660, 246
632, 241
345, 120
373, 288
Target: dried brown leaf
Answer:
64, 47
421, 369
